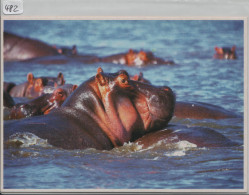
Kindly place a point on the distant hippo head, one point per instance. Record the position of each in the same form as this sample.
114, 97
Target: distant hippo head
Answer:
225, 53
36, 85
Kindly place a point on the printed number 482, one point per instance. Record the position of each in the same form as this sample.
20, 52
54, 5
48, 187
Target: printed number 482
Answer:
11, 8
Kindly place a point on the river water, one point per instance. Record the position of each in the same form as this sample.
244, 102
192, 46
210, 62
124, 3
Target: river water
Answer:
195, 77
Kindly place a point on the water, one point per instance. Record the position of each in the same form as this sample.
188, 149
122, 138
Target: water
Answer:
196, 77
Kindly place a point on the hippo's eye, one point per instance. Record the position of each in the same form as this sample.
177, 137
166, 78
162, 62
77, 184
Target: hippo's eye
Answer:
60, 93
123, 80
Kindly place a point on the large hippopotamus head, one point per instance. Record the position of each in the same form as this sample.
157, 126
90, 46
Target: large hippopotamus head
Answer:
129, 108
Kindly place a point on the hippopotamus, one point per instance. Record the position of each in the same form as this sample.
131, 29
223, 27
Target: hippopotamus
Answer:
18, 48
104, 112
39, 106
225, 53
136, 58
140, 77
200, 136
194, 110
34, 86
69, 88
201, 110
67, 51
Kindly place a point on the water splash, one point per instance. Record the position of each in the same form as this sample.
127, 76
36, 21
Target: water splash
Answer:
28, 139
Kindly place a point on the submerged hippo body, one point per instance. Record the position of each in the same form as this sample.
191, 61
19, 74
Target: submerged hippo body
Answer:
18, 48
200, 136
200, 110
104, 112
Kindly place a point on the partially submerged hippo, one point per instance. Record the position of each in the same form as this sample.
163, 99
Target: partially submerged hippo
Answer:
200, 136
200, 110
67, 51
136, 58
39, 106
104, 112
34, 86
225, 53
18, 48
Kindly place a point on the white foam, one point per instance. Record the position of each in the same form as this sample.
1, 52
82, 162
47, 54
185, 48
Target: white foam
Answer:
28, 139
133, 146
181, 148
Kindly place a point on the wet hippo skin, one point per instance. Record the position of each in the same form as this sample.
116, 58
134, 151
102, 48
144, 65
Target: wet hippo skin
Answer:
200, 110
104, 112
18, 48
200, 136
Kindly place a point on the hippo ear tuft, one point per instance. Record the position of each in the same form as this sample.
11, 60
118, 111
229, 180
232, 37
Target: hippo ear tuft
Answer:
99, 70
100, 79
30, 77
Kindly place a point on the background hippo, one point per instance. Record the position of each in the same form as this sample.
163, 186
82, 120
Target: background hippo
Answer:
38, 106
225, 53
201, 137
34, 86
18, 48
104, 112
136, 58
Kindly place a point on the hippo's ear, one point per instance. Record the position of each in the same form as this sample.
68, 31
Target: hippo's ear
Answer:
219, 50
74, 87
99, 70
100, 79
131, 51
30, 77
233, 48
60, 78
